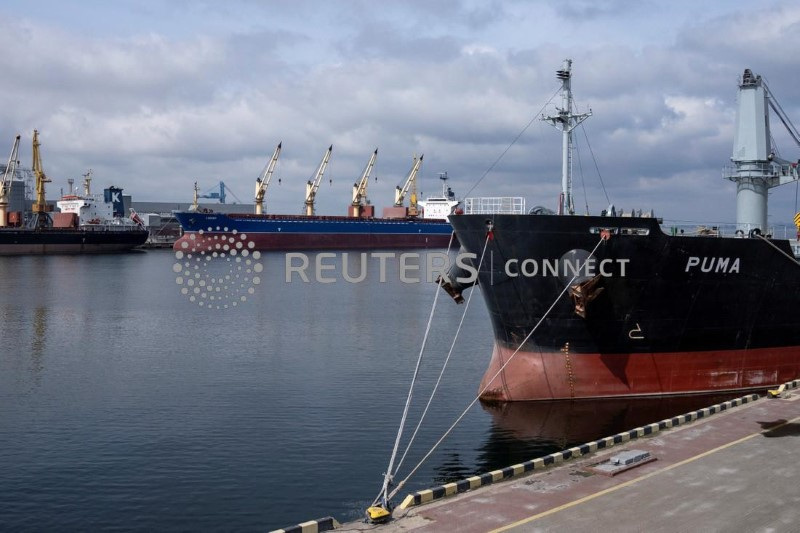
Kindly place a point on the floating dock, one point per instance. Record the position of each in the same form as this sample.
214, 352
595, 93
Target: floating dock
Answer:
731, 466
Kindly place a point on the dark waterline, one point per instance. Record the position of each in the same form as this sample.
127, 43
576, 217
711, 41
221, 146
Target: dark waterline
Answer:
124, 406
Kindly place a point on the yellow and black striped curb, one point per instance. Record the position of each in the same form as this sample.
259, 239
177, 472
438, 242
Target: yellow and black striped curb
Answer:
776, 393
313, 526
457, 487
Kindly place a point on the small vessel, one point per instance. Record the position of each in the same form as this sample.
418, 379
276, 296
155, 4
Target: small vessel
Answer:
611, 305
400, 227
83, 225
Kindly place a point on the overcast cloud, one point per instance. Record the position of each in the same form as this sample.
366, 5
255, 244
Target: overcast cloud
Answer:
156, 95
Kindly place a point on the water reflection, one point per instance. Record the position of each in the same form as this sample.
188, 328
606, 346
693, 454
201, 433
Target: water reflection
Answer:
525, 430
38, 343
451, 468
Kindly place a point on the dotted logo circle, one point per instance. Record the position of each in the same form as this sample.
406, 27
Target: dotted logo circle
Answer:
217, 271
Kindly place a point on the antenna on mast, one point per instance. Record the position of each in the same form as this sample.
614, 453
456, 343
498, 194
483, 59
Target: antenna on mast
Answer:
566, 121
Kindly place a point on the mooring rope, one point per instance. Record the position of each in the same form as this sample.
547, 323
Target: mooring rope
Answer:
792, 258
387, 478
444, 365
463, 414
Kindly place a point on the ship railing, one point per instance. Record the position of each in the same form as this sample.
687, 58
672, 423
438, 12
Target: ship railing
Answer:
108, 227
762, 169
494, 205
684, 229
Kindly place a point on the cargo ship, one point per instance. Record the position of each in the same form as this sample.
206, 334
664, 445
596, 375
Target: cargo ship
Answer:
421, 225
84, 224
614, 306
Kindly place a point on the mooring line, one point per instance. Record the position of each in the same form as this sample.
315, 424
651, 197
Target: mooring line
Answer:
388, 475
444, 366
792, 258
463, 414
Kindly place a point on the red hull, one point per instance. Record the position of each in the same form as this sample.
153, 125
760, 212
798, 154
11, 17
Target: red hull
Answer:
549, 376
312, 241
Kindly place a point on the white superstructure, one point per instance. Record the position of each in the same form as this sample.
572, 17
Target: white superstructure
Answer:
439, 207
90, 209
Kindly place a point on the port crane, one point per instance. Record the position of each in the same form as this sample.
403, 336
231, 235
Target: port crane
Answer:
313, 185
5, 184
216, 195
411, 183
360, 188
40, 207
221, 195
262, 181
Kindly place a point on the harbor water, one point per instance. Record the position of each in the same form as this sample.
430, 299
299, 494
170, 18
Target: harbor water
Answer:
127, 405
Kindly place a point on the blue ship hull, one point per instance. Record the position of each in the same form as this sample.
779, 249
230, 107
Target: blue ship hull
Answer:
294, 232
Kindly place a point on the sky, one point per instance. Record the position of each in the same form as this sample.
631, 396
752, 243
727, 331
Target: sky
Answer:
155, 95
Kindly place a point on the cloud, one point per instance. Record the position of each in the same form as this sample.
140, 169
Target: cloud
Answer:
154, 109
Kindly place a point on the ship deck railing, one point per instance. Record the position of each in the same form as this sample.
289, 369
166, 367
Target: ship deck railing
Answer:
494, 205
687, 229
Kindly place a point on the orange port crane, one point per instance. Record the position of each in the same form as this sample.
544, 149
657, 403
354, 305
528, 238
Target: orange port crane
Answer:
411, 183
262, 181
360, 187
40, 207
313, 185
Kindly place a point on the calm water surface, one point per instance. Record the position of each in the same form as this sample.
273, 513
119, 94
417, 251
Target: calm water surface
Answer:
125, 406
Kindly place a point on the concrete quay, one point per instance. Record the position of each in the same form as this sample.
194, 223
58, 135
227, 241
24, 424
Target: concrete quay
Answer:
729, 468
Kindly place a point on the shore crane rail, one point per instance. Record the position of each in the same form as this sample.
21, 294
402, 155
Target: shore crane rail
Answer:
360, 187
410, 183
263, 180
313, 184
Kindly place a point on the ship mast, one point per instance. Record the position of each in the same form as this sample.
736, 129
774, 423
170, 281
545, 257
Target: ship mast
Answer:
195, 205
87, 184
756, 168
566, 121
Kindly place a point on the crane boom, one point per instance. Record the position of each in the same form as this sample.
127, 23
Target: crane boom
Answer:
360, 188
262, 182
411, 183
313, 185
40, 205
5, 184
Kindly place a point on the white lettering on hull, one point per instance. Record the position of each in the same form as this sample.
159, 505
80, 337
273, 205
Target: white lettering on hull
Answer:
724, 265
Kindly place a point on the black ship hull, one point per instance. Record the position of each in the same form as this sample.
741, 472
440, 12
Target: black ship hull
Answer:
651, 314
16, 241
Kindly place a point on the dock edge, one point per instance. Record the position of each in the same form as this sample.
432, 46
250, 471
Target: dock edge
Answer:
540, 463
312, 526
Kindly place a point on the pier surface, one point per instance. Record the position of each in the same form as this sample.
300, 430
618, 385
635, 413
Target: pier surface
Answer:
736, 470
